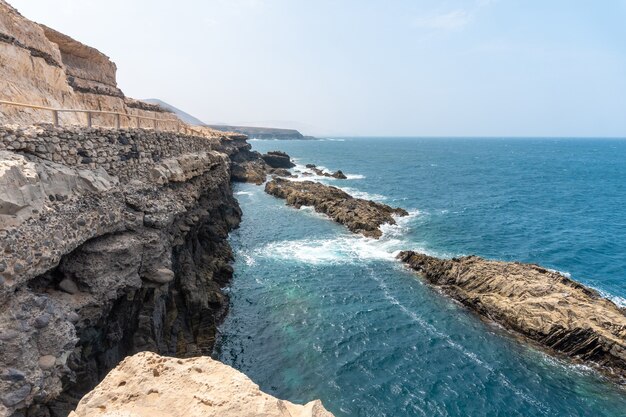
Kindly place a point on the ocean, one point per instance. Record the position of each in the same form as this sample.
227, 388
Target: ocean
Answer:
318, 312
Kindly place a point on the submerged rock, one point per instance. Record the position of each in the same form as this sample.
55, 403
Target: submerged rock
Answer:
358, 215
542, 305
148, 385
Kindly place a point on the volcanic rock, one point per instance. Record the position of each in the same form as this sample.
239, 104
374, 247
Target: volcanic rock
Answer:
278, 159
358, 215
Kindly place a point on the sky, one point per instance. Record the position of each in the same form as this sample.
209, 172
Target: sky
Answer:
365, 67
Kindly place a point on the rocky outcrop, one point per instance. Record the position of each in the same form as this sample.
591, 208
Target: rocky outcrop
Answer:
337, 174
251, 166
541, 305
113, 242
148, 385
88, 70
278, 159
358, 215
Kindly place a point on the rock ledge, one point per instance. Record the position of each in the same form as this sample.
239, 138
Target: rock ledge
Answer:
148, 385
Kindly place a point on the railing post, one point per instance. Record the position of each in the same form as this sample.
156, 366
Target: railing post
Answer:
55, 117
117, 121
88, 119
155, 125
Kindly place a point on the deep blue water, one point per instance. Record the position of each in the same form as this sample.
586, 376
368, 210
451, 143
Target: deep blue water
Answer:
317, 312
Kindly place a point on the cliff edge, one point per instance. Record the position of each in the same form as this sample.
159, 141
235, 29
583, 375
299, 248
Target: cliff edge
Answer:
148, 385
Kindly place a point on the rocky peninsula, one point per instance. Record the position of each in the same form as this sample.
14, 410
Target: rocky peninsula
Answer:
358, 215
541, 305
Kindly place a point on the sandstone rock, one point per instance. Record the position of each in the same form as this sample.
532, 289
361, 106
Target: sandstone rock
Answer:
540, 304
148, 385
358, 215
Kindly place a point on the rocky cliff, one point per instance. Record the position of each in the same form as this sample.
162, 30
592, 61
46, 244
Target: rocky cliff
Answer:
41, 66
113, 242
541, 305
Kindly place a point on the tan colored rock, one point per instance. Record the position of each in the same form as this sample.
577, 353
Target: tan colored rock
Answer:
540, 304
40, 66
149, 385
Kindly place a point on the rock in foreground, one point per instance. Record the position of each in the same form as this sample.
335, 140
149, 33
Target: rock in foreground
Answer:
542, 305
358, 215
148, 385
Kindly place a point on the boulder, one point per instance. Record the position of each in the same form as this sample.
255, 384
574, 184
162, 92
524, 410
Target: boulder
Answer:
149, 385
278, 159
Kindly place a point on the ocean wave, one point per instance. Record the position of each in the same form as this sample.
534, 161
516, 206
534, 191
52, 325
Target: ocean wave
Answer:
244, 193
339, 250
345, 248
362, 194
301, 169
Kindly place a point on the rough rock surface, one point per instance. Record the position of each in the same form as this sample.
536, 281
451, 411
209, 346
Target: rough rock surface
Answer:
542, 305
337, 174
358, 215
278, 159
148, 385
41, 66
105, 259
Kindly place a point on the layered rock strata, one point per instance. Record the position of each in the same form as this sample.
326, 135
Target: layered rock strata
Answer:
148, 385
358, 215
113, 242
40, 66
541, 305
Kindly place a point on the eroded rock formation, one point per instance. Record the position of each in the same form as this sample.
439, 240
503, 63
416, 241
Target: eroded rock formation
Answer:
41, 66
148, 385
542, 305
358, 215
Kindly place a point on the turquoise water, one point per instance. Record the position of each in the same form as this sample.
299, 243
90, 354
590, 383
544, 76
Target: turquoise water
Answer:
317, 312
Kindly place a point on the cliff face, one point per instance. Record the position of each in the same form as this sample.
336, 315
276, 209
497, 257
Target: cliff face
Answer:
147, 385
41, 66
113, 242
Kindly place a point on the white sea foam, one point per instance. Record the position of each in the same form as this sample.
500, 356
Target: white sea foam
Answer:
244, 193
362, 194
355, 176
340, 250
300, 169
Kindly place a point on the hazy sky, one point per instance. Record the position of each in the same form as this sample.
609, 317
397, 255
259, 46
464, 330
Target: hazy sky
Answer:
365, 67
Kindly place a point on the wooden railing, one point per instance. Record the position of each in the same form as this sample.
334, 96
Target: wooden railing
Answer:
180, 126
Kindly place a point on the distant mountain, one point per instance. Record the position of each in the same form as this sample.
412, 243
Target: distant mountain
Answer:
262, 132
251, 131
185, 117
